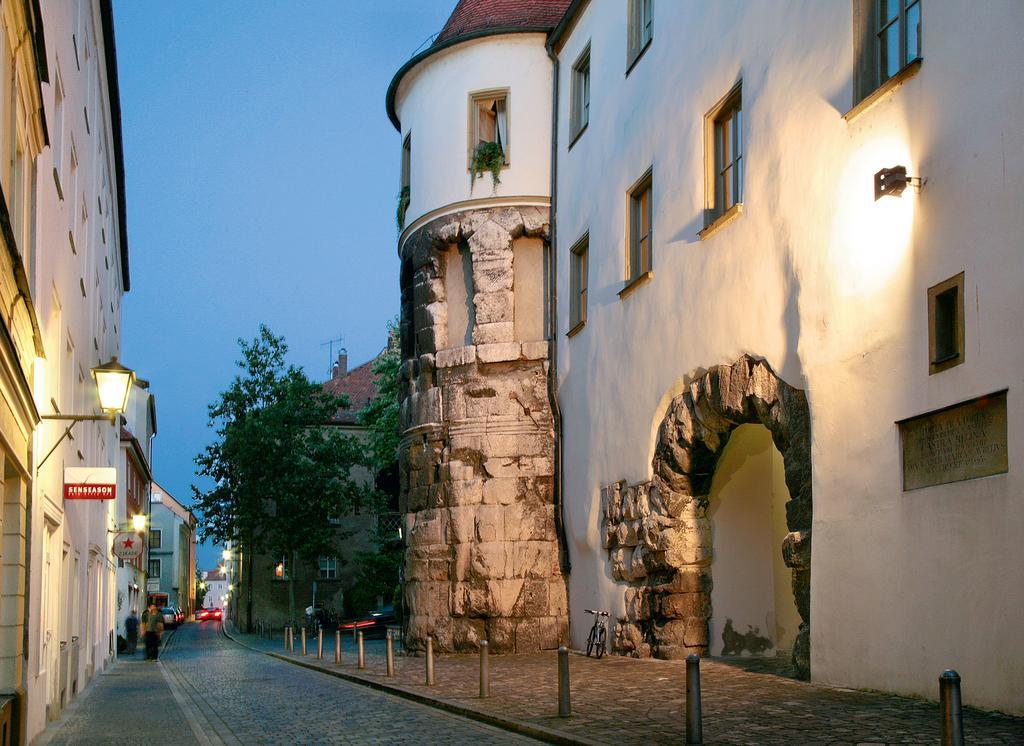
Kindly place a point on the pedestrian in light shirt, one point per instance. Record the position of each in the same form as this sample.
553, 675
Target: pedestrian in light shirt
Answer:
153, 626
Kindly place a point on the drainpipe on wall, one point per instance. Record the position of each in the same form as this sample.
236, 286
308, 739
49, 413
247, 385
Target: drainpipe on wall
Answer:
556, 412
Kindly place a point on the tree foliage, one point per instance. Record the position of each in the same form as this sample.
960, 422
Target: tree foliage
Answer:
279, 472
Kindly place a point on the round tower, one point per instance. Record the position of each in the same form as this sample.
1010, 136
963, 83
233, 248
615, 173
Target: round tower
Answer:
477, 455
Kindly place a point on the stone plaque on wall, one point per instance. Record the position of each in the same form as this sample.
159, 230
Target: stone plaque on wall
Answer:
964, 441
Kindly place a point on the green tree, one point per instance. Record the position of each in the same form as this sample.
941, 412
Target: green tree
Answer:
278, 472
378, 571
200, 590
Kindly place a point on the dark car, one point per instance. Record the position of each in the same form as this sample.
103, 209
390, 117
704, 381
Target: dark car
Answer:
374, 624
205, 615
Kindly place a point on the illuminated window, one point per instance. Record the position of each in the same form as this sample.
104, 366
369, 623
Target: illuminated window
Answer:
639, 29
281, 571
328, 568
488, 115
580, 114
946, 324
638, 255
724, 132
887, 40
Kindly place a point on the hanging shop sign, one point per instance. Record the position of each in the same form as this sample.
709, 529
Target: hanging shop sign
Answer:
127, 545
90, 483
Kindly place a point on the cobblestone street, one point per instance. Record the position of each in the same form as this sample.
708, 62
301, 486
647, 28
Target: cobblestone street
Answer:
209, 690
623, 700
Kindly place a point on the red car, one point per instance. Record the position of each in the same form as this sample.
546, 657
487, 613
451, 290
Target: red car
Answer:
203, 615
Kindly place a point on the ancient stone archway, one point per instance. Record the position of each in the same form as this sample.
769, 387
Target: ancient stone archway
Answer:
657, 533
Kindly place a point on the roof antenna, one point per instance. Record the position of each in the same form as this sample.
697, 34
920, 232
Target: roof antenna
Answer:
331, 360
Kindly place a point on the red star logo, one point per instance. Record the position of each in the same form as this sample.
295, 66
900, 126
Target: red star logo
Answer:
128, 543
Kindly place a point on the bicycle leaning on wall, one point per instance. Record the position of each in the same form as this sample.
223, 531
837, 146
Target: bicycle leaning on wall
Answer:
597, 640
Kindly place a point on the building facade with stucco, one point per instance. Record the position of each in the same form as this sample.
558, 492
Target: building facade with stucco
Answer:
773, 405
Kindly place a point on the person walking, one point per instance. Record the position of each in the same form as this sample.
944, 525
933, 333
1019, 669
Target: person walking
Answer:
153, 626
131, 631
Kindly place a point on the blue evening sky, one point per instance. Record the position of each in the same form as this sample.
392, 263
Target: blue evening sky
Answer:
261, 174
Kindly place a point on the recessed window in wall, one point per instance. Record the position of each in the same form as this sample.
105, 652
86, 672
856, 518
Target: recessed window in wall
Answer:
946, 324
458, 288
887, 40
155, 538
640, 29
578, 284
528, 289
404, 189
723, 127
580, 114
154, 568
328, 568
58, 132
638, 254
488, 115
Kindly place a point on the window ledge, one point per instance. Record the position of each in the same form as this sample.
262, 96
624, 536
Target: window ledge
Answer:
639, 54
56, 181
868, 102
576, 329
577, 136
635, 283
721, 221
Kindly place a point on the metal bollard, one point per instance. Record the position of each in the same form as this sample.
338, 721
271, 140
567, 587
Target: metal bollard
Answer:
430, 660
361, 658
949, 705
694, 729
564, 703
337, 646
320, 643
485, 670
303, 640
390, 655
286, 638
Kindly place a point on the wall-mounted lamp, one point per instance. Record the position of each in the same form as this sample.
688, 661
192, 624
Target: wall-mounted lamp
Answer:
891, 182
114, 385
139, 522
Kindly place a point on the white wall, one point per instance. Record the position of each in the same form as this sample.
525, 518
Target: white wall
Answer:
432, 103
830, 288
78, 333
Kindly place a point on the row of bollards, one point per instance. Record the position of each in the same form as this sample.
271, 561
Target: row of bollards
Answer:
949, 682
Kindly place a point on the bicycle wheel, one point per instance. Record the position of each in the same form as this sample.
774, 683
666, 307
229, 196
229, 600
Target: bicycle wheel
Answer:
591, 640
601, 641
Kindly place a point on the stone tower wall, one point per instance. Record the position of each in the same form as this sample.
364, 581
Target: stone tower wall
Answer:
476, 457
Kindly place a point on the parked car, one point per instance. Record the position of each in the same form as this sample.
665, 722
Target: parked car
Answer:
374, 624
170, 617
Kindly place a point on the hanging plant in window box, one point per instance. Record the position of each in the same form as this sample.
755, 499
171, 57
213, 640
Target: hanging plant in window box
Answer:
488, 156
403, 205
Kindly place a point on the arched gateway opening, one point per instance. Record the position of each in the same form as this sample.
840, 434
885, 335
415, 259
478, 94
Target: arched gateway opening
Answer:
661, 534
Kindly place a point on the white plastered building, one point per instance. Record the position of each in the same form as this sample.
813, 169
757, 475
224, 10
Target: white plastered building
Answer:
751, 345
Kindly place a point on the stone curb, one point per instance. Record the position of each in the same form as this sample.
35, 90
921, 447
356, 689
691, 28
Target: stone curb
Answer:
540, 732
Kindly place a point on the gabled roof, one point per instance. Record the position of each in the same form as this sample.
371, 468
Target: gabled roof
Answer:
360, 385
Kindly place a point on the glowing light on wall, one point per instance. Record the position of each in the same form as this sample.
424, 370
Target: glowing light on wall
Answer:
870, 239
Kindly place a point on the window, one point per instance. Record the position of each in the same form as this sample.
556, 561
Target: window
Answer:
155, 538
406, 161
724, 148
887, 39
281, 570
488, 112
579, 115
578, 284
154, 568
638, 256
328, 568
946, 324
58, 131
639, 29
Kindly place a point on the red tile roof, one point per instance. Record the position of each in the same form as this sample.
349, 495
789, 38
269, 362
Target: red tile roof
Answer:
360, 385
471, 16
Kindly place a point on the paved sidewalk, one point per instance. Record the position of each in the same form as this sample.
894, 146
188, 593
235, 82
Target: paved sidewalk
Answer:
623, 700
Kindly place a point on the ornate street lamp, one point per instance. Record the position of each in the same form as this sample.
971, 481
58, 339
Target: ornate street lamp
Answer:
114, 385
